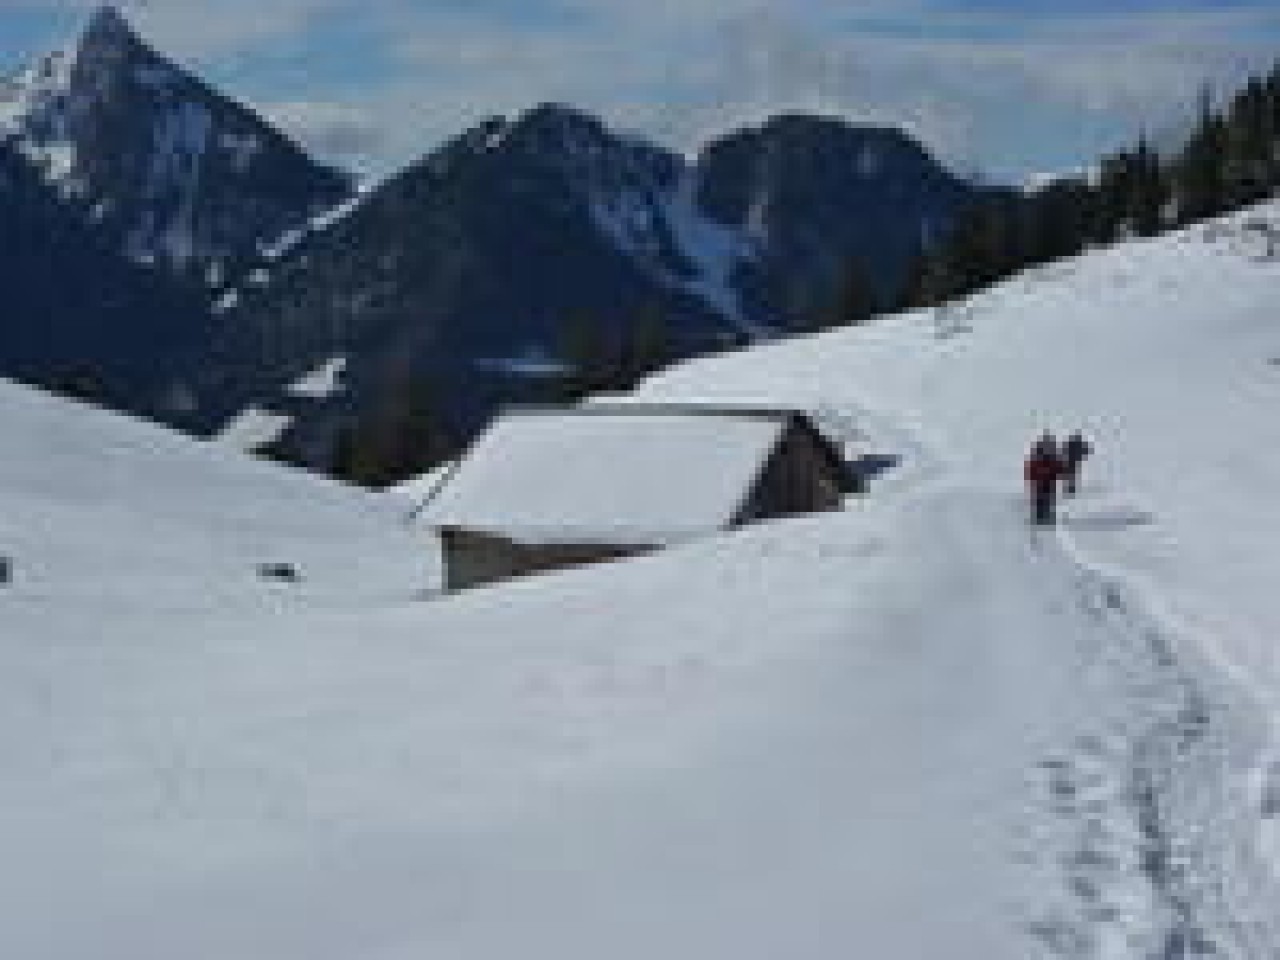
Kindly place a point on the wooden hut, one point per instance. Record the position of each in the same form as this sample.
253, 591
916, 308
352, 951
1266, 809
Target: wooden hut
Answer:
549, 488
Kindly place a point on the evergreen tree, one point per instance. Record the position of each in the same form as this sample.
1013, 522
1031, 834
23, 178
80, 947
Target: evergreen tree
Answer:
585, 352
1200, 173
1250, 145
1148, 191
1229, 160
1057, 221
399, 438
853, 303
344, 459
1113, 190
646, 347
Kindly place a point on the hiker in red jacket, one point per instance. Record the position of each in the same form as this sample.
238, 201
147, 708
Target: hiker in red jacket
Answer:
1043, 469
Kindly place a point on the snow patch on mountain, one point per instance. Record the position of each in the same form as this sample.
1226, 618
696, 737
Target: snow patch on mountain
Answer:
181, 139
33, 114
254, 428
42, 105
284, 243
321, 383
227, 301
716, 251
288, 241
663, 230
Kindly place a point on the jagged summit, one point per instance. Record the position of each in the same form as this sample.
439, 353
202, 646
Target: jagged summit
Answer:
107, 26
555, 117
28, 99
51, 106
593, 158
190, 178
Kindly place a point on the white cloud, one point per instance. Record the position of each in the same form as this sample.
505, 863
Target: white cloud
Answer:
972, 86
996, 90
200, 29
343, 132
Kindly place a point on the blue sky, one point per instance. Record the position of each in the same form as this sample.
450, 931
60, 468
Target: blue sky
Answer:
996, 87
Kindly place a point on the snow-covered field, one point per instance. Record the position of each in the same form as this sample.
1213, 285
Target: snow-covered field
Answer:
909, 729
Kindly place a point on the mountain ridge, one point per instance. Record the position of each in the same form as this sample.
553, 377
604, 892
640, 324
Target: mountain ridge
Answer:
496, 249
530, 257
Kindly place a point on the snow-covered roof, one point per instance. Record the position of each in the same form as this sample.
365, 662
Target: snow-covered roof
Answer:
631, 475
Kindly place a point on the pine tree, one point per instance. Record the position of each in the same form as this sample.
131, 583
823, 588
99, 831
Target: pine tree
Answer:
398, 438
1113, 191
1148, 190
584, 351
1271, 90
1057, 221
1200, 176
853, 303
645, 347
1229, 160
1250, 144
342, 457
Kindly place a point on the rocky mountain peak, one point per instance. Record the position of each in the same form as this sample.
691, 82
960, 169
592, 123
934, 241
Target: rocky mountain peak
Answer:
106, 44
107, 28
185, 176
559, 125
588, 153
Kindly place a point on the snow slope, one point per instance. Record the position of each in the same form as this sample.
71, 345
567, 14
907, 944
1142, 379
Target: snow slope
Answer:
106, 515
908, 729
1166, 351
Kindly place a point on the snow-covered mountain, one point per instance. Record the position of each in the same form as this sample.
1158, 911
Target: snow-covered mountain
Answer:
487, 270
130, 193
189, 178
481, 270
818, 197
910, 728
478, 268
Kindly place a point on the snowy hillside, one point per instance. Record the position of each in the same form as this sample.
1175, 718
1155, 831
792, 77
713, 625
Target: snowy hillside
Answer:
909, 729
1166, 351
106, 516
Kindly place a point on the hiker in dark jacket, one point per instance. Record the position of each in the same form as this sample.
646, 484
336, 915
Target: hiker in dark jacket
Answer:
1043, 468
1074, 453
